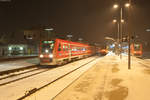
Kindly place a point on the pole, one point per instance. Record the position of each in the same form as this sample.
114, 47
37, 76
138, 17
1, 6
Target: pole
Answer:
121, 33
129, 43
118, 38
129, 52
118, 33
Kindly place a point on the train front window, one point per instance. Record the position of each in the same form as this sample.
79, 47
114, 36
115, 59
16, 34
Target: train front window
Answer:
47, 46
136, 47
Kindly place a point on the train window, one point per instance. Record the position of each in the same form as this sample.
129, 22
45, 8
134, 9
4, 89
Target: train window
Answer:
72, 48
59, 47
84, 49
64, 48
47, 47
136, 46
69, 47
78, 48
75, 49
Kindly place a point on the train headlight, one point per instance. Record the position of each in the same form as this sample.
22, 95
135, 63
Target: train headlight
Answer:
41, 56
50, 55
46, 51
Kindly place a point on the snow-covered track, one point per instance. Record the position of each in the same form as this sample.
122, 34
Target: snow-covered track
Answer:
16, 70
34, 90
11, 78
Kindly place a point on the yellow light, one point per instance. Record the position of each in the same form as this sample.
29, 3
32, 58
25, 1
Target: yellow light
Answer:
122, 21
114, 20
115, 6
127, 5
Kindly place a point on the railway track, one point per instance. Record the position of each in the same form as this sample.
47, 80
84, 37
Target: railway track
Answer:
16, 70
144, 63
31, 71
29, 74
34, 90
16, 58
16, 74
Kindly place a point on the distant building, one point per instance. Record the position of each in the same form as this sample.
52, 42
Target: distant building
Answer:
32, 34
24, 42
14, 43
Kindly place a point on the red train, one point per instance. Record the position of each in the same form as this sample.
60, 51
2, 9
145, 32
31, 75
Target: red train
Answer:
58, 51
103, 51
137, 49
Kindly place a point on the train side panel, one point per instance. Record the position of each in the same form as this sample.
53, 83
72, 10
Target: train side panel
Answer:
66, 51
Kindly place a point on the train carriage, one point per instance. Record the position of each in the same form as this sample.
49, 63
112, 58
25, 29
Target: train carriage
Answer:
137, 49
58, 51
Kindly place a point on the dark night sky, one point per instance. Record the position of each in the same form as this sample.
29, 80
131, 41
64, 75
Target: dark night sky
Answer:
90, 19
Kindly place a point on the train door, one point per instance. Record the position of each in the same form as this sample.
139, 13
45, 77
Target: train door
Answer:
59, 50
69, 51
65, 50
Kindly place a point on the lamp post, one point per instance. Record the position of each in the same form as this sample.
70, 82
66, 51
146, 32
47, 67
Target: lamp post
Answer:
121, 33
120, 23
129, 41
118, 29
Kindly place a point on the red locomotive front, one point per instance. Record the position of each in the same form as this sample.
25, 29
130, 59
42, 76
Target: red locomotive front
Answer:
136, 49
46, 52
58, 51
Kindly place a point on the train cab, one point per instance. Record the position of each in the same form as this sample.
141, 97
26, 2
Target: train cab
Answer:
136, 49
46, 52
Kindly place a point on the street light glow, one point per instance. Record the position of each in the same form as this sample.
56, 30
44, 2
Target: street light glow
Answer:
122, 20
127, 5
115, 6
48, 29
114, 20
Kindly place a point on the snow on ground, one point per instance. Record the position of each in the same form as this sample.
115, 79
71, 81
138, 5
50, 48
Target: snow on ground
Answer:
49, 92
148, 60
18, 64
19, 88
110, 79
110, 53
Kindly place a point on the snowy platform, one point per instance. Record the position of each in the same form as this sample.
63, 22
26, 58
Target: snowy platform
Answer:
16, 57
110, 79
9, 65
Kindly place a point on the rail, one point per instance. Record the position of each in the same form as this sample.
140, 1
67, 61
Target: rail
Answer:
38, 89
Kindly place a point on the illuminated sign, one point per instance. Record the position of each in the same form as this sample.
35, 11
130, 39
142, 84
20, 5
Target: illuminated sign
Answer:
47, 42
